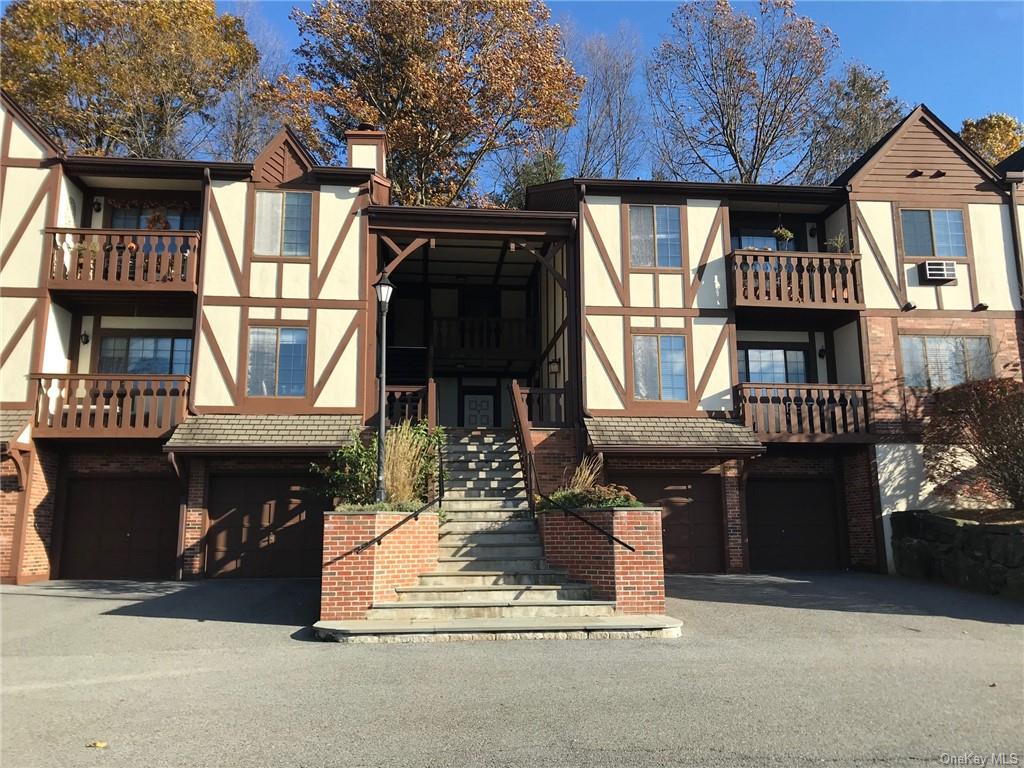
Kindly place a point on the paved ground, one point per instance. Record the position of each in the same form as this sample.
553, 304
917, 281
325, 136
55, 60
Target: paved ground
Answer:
789, 671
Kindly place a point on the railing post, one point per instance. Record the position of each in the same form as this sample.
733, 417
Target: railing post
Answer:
431, 404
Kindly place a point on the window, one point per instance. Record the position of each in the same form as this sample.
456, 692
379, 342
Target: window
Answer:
283, 223
763, 241
136, 217
654, 238
937, 362
934, 233
146, 354
659, 367
773, 366
277, 362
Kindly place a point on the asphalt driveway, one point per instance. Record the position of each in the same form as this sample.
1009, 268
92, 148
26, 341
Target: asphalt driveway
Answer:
790, 670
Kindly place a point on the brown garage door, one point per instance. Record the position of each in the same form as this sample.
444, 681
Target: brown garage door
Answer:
120, 529
691, 519
791, 524
263, 526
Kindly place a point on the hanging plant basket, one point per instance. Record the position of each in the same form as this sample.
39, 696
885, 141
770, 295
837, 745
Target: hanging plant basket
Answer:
782, 234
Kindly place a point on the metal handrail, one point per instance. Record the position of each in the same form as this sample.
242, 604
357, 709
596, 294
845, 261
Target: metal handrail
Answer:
522, 426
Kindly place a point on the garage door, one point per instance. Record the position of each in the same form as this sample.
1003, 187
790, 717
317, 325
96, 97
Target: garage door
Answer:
120, 529
791, 525
692, 525
263, 526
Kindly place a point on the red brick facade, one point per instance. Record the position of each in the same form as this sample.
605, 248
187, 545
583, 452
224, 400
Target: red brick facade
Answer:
10, 500
634, 580
353, 581
555, 456
35, 535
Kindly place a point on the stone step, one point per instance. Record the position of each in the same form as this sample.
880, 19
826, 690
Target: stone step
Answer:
484, 503
469, 475
457, 515
477, 578
470, 525
493, 551
484, 451
489, 538
485, 593
561, 628
420, 611
448, 564
485, 493
500, 485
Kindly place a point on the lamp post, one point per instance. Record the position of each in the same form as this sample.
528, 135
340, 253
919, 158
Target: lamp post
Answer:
384, 288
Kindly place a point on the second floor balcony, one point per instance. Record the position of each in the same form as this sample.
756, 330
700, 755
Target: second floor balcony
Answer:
806, 412
119, 260
794, 280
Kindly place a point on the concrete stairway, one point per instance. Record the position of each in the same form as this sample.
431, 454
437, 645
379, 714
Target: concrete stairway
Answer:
492, 580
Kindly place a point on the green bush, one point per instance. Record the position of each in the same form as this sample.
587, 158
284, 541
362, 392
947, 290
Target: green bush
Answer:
596, 497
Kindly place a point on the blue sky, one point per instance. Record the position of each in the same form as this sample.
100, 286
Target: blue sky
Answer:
963, 59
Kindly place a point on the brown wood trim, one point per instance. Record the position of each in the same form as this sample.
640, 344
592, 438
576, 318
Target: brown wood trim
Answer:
603, 358
709, 244
969, 245
19, 332
716, 352
21, 519
603, 252
862, 225
546, 260
229, 249
5, 153
248, 239
218, 357
401, 253
655, 311
288, 303
15, 237
901, 258
554, 339
950, 314
358, 203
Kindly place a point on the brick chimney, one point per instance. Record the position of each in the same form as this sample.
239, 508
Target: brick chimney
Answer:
367, 148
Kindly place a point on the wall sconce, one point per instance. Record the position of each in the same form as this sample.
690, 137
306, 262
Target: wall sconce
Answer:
909, 306
821, 353
97, 206
554, 366
981, 306
84, 338
812, 231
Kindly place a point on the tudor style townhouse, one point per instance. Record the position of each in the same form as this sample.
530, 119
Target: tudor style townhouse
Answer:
181, 339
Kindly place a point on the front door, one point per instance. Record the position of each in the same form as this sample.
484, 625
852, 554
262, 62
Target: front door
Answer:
478, 410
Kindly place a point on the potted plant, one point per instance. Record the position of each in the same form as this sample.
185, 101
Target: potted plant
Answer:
782, 235
837, 243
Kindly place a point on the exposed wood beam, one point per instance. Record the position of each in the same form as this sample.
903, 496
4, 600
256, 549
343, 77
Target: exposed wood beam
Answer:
501, 261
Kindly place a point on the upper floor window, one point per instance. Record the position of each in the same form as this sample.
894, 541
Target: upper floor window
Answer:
283, 223
659, 367
936, 362
654, 239
760, 241
146, 354
277, 362
937, 232
773, 366
168, 217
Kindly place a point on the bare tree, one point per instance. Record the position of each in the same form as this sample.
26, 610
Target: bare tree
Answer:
735, 98
609, 132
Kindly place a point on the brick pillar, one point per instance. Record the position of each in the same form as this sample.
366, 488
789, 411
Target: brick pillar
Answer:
555, 456
32, 547
10, 501
352, 581
193, 544
859, 485
634, 580
737, 559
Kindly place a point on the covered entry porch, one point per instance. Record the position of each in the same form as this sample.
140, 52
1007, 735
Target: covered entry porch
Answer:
480, 300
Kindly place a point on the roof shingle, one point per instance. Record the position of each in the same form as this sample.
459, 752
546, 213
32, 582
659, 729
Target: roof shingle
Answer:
240, 433
677, 434
11, 424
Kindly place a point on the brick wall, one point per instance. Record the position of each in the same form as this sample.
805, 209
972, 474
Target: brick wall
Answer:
10, 498
150, 463
860, 487
352, 581
37, 542
555, 456
634, 580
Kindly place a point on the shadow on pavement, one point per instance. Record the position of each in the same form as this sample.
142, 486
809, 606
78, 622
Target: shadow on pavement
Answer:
853, 592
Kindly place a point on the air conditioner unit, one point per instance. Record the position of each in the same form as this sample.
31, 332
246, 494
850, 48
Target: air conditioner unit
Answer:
937, 271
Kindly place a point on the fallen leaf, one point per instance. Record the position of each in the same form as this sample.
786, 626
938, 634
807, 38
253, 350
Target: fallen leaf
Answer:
97, 744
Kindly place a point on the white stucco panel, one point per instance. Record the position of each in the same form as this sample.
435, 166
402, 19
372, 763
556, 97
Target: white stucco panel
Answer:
23, 265
700, 217
991, 238
598, 285
210, 387
878, 218
718, 394
341, 389
336, 205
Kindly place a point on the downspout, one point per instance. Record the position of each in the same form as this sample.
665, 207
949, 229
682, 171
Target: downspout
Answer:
1014, 180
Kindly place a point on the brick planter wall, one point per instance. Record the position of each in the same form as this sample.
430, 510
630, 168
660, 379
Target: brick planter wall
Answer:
634, 580
351, 582
555, 456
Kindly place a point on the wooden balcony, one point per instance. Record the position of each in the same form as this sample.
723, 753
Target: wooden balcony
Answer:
405, 403
806, 412
545, 406
483, 338
122, 260
108, 405
795, 280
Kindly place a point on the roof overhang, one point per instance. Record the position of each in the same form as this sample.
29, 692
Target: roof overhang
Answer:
473, 222
83, 165
703, 451
820, 195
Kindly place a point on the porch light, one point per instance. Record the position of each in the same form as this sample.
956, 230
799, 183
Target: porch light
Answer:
909, 306
554, 366
383, 288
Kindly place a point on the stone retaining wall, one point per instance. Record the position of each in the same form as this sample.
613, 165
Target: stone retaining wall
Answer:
987, 558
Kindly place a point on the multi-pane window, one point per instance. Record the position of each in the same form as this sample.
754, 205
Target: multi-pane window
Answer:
283, 223
773, 366
936, 362
659, 367
654, 236
764, 241
136, 217
146, 354
277, 362
934, 233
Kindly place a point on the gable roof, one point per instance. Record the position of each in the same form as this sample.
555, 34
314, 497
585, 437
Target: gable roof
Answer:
23, 117
921, 110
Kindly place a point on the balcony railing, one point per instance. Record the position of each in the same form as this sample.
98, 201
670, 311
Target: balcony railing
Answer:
122, 259
795, 280
805, 412
475, 337
545, 406
404, 403
108, 404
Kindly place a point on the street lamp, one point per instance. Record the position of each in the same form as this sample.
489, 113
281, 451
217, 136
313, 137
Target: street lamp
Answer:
384, 288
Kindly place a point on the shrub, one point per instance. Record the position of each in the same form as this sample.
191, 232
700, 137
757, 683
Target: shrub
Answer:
585, 475
595, 497
350, 473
